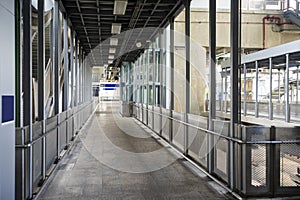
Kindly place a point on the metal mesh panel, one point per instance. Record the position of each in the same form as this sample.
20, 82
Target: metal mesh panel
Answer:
289, 165
258, 165
221, 157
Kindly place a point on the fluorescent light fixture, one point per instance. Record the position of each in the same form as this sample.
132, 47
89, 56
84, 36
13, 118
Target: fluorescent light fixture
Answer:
110, 61
112, 50
116, 28
113, 41
111, 57
120, 7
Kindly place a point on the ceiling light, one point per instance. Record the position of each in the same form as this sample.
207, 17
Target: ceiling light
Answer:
113, 41
110, 61
112, 50
138, 44
116, 28
111, 57
120, 7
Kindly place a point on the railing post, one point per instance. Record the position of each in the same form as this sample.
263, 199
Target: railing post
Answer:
287, 90
271, 89
245, 90
256, 90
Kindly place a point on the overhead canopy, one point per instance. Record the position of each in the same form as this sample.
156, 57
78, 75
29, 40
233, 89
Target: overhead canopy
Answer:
96, 21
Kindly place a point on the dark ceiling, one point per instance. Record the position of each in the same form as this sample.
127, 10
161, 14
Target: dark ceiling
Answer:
92, 20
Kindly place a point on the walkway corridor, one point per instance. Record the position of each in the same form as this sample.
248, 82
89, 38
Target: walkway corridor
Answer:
117, 158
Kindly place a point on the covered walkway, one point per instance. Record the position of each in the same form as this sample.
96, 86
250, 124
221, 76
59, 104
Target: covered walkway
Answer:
108, 161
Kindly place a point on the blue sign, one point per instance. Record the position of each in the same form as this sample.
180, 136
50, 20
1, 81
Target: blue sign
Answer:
7, 108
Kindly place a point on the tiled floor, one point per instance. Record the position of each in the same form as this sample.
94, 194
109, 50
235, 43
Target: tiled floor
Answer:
115, 158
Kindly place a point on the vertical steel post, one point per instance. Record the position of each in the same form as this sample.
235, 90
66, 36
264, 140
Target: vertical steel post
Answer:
234, 74
56, 56
161, 96
41, 80
271, 90
27, 84
147, 87
187, 73
287, 91
142, 66
256, 90
212, 84
172, 71
66, 66
279, 86
245, 90
153, 82
72, 67
76, 73
226, 90
297, 86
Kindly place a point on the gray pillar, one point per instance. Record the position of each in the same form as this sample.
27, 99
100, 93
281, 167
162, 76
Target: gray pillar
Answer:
256, 90
76, 73
271, 90
226, 90
147, 86
56, 56
172, 62
297, 86
161, 96
72, 68
234, 70
187, 73
212, 84
41, 80
287, 90
153, 82
279, 86
66, 66
245, 90
27, 83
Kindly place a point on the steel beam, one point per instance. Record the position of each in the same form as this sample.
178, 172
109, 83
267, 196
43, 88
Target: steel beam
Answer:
66, 66
245, 90
72, 67
147, 87
153, 82
287, 90
187, 72
76, 73
41, 80
161, 68
297, 86
256, 90
27, 84
212, 84
234, 70
271, 89
56, 56
279, 97
172, 62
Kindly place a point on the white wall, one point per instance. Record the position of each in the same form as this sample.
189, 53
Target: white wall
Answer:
7, 87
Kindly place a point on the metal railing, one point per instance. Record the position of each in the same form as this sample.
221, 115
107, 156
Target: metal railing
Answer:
265, 158
47, 147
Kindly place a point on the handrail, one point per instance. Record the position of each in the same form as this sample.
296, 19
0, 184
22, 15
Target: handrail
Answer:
29, 144
239, 141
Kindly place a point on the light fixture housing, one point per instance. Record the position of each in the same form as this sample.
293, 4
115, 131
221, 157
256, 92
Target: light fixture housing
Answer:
116, 28
112, 50
113, 41
111, 56
110, 61
120, 7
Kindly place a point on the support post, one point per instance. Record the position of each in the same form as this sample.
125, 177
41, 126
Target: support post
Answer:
245, 90
172, 71
187, 72
279, 95
41, 80
27, 84
271, 90
212, 85
297, 86
72, 67
287, 90
234, 70
161, 82
147, 87
256, 91
153, 82
66, 66
226, 90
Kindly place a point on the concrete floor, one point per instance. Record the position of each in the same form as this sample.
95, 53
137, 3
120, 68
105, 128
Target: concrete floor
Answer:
118, 158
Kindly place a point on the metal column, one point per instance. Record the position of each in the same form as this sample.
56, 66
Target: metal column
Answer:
41, 80
66, 66
271, 90
212, 85
245, 90
226, 90
56, 56
234, 70
142, 102
153, 82
72, 67
27, 83
76, 73
297, 86
147, 87
187, 73
287, 91
172, 62
256, 90
279, 95
161, 87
